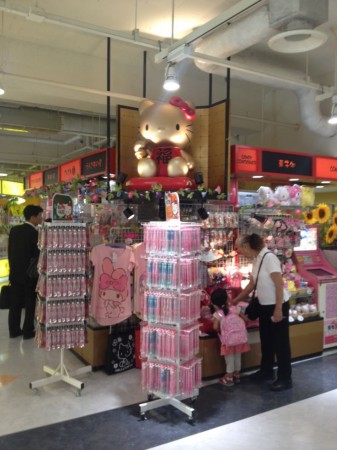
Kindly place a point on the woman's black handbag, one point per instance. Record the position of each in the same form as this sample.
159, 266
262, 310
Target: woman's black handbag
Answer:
252, 310
5, 297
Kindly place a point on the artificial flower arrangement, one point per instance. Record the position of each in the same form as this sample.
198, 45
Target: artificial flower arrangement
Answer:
94, 190
326, 219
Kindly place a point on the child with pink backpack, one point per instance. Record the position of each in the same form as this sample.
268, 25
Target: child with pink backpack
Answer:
229, 322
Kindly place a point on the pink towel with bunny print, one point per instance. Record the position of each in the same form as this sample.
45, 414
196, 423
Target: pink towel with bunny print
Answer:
111, 291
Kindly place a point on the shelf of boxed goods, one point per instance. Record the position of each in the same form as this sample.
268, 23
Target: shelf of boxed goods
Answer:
61, 309
171, 371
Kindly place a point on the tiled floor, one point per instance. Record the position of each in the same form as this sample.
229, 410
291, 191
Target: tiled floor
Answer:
106, 415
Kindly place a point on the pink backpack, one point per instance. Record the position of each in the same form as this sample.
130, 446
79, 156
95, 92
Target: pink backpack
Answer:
233, 329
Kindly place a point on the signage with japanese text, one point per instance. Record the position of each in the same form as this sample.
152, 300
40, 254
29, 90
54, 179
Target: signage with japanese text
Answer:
70, 170
51, 176
94, 164
287, 163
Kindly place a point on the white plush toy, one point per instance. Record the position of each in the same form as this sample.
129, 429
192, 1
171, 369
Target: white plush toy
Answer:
282, 196
266, 196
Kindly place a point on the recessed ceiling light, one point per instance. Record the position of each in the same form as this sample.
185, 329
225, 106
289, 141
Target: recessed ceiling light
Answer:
325, 182
257, 176
319, 187
294, 179
3, 174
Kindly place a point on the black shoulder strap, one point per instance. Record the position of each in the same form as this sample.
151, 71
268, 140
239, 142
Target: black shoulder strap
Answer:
257, 276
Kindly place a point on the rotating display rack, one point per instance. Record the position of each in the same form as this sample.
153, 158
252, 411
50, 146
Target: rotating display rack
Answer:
61, 308
171, 372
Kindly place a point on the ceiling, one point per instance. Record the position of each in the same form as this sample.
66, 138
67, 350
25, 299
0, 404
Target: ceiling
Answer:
53, 66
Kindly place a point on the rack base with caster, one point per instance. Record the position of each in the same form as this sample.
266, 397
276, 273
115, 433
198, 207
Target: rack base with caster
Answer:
163, 400
61, 374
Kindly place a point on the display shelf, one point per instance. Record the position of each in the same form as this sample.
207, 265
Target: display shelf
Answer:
171, 372
61, 309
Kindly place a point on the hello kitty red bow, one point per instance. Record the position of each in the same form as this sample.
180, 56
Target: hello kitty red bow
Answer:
106, 281
188, 111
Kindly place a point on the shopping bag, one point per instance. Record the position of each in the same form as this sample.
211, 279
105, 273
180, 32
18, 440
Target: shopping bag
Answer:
5, 297
121, 352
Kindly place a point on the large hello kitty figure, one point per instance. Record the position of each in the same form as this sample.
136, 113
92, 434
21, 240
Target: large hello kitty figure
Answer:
166, 131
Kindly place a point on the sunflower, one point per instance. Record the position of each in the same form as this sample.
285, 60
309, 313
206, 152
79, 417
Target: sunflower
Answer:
310, 217
334, 219
323, 213
331, 234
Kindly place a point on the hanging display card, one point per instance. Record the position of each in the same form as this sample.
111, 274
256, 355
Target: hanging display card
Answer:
172, 206
62, 206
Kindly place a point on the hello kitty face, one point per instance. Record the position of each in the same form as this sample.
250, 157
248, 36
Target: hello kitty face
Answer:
167, 123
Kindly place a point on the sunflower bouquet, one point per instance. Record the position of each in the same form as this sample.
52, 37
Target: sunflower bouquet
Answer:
326, 219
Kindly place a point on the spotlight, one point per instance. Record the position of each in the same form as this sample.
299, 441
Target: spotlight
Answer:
333, 117
2, 90
128, 213
171, 82
121, 177
198, 178
203, 214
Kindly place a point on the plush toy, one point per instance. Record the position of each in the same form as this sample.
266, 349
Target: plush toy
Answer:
266, 196
295, 192
308, 196
166, 129
282, 196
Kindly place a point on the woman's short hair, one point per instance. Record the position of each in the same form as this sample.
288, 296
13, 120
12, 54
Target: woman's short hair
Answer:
254, 241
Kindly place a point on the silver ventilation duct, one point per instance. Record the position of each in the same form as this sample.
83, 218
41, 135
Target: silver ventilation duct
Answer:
251, 30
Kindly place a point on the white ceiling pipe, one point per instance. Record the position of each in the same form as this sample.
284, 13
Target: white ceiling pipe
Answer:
232, 39
241, 35
311, 115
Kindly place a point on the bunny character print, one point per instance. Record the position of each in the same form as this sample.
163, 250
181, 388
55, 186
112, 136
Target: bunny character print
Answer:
111, 291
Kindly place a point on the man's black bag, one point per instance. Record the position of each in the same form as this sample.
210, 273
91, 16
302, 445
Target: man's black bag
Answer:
5, 297
32, 271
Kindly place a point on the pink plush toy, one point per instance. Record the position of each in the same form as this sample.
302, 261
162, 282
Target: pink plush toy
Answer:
295, 194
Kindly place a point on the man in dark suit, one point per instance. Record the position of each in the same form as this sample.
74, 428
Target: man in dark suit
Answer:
22, 246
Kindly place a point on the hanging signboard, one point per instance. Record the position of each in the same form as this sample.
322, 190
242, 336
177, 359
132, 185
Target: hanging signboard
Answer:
286, 163
36, 180
70, 170
245, 160
94, 164
51, 176
326, 168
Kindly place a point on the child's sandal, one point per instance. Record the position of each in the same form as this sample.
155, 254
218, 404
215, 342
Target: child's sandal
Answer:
236, 377
227, 380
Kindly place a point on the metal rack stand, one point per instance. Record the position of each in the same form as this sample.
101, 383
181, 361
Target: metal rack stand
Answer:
61, 374
62, 282
176, 402
163, 242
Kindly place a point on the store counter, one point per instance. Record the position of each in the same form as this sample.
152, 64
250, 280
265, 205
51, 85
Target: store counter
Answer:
306, 340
